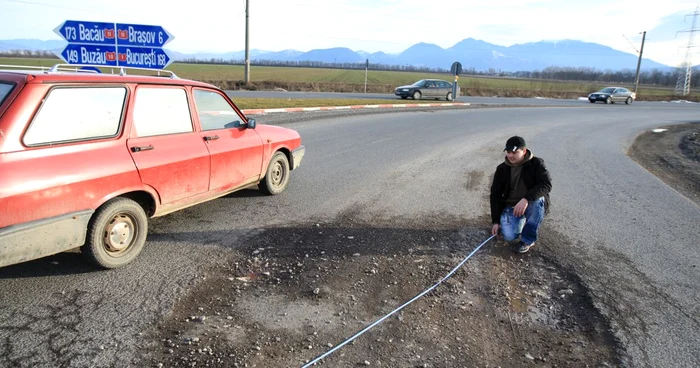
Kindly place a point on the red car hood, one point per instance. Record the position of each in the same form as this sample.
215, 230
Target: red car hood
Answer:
279, 134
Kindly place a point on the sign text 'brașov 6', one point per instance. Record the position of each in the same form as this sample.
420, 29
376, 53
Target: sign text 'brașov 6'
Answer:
114, 44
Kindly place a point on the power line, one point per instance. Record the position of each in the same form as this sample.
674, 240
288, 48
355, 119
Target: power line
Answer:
631, 44
683, 83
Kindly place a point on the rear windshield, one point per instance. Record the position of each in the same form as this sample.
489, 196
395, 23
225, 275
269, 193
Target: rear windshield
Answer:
5, 88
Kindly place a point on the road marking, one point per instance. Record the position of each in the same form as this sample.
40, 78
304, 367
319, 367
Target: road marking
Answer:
381, 140
326, 108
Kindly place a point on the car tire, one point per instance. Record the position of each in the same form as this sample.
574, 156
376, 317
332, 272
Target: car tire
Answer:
116, 233
449, 96
277, 175
608, 100
416, 95
591, 101
628, 101
404, 97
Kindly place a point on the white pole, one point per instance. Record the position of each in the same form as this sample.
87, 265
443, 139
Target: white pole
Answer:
366, 67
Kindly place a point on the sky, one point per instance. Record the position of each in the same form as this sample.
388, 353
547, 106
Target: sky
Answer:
375, 25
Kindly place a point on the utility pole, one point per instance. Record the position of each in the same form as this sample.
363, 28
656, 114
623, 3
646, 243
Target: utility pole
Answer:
247, 47
684, 75
639, 63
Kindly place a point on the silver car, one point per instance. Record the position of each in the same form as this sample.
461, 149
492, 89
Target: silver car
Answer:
610, 95
427, 88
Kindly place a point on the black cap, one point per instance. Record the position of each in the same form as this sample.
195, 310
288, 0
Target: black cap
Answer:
514, 143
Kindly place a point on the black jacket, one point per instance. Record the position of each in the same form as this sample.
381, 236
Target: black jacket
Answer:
534, 175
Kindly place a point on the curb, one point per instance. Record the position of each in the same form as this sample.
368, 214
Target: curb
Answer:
353, 107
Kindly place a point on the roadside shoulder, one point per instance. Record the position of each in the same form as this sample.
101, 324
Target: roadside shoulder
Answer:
672, 153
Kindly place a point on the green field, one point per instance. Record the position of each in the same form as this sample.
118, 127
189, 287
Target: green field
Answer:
339, 80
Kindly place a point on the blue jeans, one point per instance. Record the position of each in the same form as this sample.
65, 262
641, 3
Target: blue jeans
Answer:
526, 226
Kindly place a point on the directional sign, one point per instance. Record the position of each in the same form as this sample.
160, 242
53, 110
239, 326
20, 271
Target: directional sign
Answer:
92, 33
142, 35
143, 57
114, 44
90, 54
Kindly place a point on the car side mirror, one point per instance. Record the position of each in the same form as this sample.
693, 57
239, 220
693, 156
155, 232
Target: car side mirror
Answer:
251, 123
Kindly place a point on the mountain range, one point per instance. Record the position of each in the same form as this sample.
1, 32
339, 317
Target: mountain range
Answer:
471, 53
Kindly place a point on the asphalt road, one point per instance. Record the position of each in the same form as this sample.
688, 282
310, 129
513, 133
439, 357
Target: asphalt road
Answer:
632, 239
477, 100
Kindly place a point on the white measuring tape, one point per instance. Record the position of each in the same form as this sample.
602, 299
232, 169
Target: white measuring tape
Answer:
353, 337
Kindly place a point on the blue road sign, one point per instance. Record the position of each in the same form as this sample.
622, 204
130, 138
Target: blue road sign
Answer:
90, 54
114, 44
143, 57
142, 35
92, 33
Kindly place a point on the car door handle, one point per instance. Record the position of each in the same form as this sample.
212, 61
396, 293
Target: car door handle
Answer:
210, 137
141, 148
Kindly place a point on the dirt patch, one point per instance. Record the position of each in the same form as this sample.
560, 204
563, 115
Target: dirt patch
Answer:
672, 153
292, 293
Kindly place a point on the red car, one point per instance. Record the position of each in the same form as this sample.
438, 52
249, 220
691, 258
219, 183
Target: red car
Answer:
87, 158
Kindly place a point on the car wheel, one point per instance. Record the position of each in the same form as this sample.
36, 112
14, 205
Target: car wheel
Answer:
449, 96
591, 101
608, 100
416, 95
116, 233
277, 175
404, 97
628, 101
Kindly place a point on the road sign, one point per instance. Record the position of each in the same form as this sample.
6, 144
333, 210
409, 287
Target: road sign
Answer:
456, 68
114, 44
91, 33
143, 57
142, 35
90, 54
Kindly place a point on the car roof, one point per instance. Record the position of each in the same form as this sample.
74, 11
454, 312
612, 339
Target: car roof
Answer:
57, 74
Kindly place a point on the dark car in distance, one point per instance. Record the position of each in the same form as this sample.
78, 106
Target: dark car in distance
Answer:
427, 88
610, 95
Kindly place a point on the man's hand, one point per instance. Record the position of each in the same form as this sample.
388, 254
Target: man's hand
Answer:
495, 229
520, 208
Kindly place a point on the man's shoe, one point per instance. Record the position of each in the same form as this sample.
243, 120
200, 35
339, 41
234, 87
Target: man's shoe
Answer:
523, 248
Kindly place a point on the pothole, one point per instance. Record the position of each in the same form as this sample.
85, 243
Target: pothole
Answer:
290, 294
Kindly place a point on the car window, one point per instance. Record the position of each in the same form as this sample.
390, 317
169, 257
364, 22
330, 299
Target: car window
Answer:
420, 83
77, 113
5, 89
445, 85
607, 90
159, 110
214, 111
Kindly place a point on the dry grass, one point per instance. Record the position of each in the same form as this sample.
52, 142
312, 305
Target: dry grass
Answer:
230, 77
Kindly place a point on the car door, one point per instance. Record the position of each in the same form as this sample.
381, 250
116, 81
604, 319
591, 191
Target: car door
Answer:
445, 87
236, 151
169, 155
431, 89
618, 95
